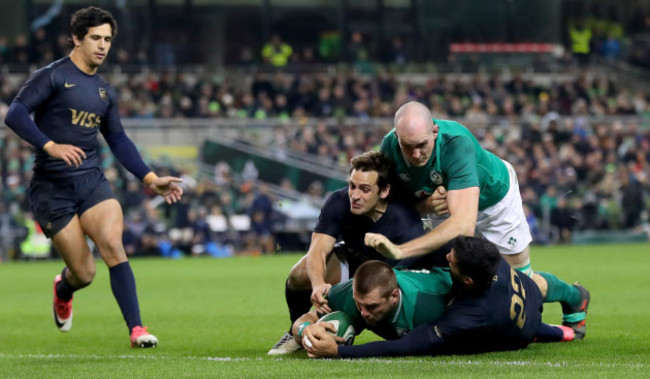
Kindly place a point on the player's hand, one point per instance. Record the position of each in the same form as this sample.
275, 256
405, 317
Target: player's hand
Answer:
166, 187
318, 341
311, 329
438, 201
319, 298
71, 155
383, 245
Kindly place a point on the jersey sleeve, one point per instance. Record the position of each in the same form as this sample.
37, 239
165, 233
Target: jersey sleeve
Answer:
461, 317
38, 88
423, 340
339, 298
121, 145
459, 163
331, 215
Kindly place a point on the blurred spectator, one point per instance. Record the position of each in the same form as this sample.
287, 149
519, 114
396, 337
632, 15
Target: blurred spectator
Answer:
276, 52
562, 221
535, 230
133, 196
20, 52
205, 240
5, 50
580, 36
356, 51
35, 244
261, 238
10, 231
396, 53
611, 48
632, 201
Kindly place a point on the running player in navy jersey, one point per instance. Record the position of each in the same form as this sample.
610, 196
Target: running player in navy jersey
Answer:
69, 195
349, 213
493, 308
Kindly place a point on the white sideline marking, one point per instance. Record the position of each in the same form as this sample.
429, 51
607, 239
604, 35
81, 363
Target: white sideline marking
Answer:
93, 356
468, 362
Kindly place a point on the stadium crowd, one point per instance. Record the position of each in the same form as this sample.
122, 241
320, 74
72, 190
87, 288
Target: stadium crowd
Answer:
580, 164
200, 224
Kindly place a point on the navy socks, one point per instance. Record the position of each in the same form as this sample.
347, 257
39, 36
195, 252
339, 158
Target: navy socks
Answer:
123, 286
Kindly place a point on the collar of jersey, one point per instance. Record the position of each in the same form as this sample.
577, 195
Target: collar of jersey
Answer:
399, 307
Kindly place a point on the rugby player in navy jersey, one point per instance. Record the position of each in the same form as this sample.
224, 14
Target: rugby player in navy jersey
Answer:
69, 195
349, 213
493, 307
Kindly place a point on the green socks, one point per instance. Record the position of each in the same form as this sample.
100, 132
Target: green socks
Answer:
567, 294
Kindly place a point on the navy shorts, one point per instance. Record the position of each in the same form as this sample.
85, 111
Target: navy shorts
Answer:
55, 201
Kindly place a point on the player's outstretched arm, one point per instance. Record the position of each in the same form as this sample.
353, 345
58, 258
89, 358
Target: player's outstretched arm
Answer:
422, 340
320, 247
463, 210
382, 244
165, 186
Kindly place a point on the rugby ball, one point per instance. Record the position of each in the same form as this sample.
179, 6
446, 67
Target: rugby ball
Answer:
343, 324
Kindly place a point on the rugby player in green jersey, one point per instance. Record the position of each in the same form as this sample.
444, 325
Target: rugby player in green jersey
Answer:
491, 307
347, 215
390, 302
441, 165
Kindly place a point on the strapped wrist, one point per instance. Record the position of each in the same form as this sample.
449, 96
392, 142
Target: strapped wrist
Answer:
302, 327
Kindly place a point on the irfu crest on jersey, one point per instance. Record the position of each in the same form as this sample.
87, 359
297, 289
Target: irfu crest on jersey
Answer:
103, 94
436, 178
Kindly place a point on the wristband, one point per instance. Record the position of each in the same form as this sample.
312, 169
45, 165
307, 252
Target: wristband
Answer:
302, 327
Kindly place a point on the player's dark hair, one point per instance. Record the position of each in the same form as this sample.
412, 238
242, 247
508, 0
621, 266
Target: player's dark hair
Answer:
477, 258
374, 161
374, 274
89, 17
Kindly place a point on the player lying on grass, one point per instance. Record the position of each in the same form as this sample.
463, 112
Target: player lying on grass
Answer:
445, 171
492, 308
349, 213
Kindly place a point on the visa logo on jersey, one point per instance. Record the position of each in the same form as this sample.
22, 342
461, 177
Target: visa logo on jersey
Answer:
86, 119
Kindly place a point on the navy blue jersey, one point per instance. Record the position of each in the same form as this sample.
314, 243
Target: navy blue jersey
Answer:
69, 107
506, 316
400, 223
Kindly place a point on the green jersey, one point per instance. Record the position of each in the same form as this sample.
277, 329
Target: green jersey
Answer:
457, 162
423, 298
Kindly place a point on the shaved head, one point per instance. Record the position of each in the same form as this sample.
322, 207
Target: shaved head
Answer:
416, 132
413, 116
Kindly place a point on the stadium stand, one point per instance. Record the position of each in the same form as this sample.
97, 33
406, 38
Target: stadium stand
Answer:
578, 137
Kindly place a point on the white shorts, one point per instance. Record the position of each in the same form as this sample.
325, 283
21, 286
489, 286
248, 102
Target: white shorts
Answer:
504, 223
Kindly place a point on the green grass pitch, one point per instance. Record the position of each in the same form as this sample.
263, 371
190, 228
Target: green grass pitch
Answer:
219, 317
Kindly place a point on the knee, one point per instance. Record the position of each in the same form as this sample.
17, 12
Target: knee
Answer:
541, 284
516, 260
111, 248
298, 280
82, 276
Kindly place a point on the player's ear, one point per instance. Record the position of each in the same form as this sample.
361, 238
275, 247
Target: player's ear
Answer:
75, 40
384, 192
435, 129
